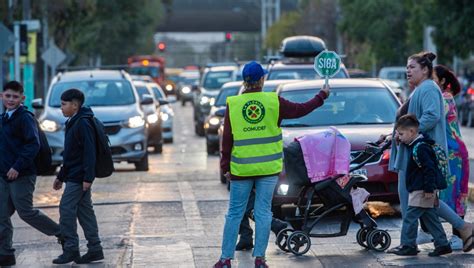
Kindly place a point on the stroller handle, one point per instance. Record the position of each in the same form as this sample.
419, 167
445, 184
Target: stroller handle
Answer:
374, 150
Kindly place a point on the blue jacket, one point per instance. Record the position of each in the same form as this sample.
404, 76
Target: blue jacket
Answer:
79, 148
428, 177
19, 143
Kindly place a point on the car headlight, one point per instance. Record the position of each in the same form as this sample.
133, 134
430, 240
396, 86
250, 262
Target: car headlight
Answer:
214, 121
212, 101
169, 87
186, 90
49, 126
136, 121
165, 116
283, 189
204, 100
152, 118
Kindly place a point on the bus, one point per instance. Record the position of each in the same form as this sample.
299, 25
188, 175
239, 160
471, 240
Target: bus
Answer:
153, 66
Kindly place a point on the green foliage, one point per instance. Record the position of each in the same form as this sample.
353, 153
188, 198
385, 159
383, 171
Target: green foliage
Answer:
283, 28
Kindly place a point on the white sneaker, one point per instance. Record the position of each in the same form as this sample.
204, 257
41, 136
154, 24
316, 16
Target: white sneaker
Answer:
455, 242
423, 238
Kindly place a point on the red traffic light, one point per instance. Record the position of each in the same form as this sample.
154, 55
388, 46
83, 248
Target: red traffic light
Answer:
161, 46
228, 37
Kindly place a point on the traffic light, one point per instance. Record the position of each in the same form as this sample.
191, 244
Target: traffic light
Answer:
161, 46
228, 37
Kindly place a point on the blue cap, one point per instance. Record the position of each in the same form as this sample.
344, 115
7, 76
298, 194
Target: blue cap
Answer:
253, 71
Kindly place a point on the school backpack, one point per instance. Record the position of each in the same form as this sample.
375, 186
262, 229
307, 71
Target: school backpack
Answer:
104, 164
441, 162
43, 159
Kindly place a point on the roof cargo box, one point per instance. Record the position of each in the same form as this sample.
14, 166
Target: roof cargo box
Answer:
302, 46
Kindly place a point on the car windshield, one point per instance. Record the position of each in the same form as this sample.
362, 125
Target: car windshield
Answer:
222, 97
299, 73
345, 106
97, 92
158, 94
215, 80
189, 81
151, 71
142, 90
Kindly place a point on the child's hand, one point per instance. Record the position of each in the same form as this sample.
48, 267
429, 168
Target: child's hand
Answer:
86, 186
12, 174
57, 185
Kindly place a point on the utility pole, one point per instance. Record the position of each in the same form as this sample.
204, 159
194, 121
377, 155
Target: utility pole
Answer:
270, 13
45, 46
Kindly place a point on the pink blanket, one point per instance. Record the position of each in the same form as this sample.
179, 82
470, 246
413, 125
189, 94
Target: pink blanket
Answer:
325, 154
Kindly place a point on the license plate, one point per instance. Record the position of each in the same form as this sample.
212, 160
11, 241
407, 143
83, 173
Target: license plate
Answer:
361, 171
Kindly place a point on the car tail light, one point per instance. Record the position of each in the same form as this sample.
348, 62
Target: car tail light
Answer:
386, 155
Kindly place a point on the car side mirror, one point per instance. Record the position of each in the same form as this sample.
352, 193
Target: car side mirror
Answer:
147, 99
220, 112
37, 104
163, 102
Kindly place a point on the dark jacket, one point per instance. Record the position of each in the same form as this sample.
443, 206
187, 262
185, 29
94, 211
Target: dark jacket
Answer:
287, 110
428, 176
79, 148
19, 143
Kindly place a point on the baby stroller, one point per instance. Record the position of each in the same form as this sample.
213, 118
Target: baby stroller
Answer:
331, 199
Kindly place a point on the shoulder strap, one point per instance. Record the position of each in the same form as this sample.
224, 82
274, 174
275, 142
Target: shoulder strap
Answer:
415, 153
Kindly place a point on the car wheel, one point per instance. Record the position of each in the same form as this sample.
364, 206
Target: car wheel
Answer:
158, 149
143, 164
199, 129
170, 140
183, 103
470, 119
211, 149
222, 177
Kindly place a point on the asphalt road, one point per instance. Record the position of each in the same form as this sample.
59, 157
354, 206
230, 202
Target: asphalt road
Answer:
173, 216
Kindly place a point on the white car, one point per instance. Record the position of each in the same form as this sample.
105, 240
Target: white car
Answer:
167, 113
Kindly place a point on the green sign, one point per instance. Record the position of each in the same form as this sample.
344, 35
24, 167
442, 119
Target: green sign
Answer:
327, 63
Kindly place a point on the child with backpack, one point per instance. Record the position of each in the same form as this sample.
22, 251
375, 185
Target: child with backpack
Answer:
78, 172
424, 178
19, 146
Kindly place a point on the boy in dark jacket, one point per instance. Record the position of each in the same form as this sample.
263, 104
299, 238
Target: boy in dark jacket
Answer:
78, 172
19, 145
423, 183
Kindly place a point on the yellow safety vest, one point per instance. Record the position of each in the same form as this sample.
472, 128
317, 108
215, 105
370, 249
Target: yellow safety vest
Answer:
258, 145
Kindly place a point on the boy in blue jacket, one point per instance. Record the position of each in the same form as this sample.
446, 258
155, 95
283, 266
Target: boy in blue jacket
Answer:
423, 180
19, 145
78, 172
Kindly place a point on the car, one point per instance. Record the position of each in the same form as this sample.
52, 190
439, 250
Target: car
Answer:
166, 114
172, 79
397, 89
298, 69
211, 82
189, 81
115, 102
361, 109
272, 85
152, 116
216, 114
395, 73
466, 108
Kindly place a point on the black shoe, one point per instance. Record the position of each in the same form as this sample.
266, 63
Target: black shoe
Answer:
61, 241
90, 256
442, 250
404, 251
67, 257
7, 260
244, 245
278, 225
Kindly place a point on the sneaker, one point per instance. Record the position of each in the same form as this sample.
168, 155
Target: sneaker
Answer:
260, 263
90, 256
423, 238
7, 260
440, 251
455, 242
67, 257
244, 245
223, 264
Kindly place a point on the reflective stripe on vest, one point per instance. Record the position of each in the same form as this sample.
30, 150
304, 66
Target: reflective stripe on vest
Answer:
258, 146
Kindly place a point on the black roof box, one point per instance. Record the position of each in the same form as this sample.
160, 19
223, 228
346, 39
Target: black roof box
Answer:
302, 46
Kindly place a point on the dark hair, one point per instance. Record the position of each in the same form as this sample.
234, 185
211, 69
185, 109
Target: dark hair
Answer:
425, 59
15, 86
452, 81
73, 94
407, 121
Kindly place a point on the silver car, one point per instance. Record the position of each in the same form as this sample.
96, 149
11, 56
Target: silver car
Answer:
166, 113
114, 101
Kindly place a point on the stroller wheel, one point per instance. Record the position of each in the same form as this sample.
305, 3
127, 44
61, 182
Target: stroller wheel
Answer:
282, 239
362, 236
299, 243
379, 240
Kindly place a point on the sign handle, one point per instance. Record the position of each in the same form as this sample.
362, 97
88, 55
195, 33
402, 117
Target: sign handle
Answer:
326, 81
